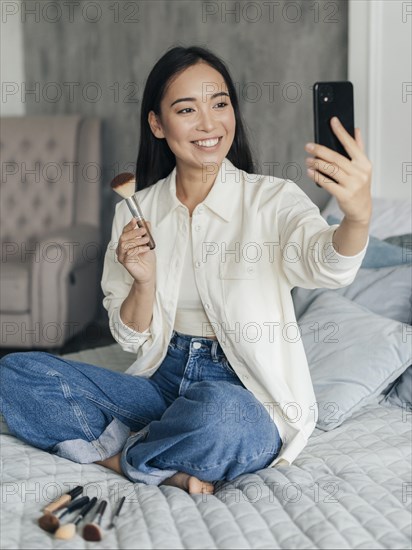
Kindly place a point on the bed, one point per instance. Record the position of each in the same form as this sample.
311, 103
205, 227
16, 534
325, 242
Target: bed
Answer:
351, 486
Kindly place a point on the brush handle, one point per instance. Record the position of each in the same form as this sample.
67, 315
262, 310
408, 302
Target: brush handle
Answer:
137, 213
64, 500
100, 512
134, 208
151, 244
75, 505
58, 504
119, 507
112, 523
85, 510
76, 492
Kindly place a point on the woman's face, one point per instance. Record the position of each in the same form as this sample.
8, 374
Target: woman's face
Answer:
196, 107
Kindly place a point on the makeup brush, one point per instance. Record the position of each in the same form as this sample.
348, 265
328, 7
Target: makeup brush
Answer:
68, 530
124, 185
92, 531
112, 524
64, 500
50, 522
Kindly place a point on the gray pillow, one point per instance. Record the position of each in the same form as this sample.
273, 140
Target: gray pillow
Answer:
401, 392
386, 291
353, 354
381, 253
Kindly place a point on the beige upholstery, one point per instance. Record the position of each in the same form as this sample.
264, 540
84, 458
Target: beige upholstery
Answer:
49, 228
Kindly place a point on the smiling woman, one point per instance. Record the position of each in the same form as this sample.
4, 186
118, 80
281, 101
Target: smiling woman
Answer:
198, 127
189, 97
208, 339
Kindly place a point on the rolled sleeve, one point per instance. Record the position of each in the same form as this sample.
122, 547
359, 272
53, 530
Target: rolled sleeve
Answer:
346, 262
314, 262
129, 339
331, 256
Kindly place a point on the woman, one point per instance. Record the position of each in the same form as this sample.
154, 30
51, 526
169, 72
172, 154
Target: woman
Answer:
203, 399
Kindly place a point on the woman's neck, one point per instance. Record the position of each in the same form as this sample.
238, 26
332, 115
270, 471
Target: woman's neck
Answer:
193, 185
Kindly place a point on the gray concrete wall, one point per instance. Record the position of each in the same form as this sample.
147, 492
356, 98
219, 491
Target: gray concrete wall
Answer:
275, 51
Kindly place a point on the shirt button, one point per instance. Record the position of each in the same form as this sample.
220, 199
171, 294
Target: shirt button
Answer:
207, 306
200, 209
197, 227
197, 345
197, 264
250, 269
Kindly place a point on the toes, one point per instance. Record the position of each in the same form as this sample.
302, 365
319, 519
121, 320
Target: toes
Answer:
196, 485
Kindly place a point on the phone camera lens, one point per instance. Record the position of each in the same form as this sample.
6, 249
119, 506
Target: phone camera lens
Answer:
326, 94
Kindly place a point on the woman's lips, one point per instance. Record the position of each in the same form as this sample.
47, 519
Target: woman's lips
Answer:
205, 148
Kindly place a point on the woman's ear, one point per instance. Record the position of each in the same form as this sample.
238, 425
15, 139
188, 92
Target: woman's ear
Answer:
155, 125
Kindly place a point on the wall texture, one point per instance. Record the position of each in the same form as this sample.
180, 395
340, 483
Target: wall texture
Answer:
96, 57
11, 59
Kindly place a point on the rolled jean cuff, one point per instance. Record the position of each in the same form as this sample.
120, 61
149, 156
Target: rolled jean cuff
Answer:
148, 474
110, 443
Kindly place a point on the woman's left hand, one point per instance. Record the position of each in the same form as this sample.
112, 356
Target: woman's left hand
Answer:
352, 185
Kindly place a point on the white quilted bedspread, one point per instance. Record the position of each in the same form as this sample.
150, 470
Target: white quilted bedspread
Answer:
349, 488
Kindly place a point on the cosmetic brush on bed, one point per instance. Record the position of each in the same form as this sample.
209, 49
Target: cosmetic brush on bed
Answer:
124, 185
51, 522
113, 523
68, 530
92, 531
64, 500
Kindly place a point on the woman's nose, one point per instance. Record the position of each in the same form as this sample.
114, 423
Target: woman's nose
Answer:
206, 122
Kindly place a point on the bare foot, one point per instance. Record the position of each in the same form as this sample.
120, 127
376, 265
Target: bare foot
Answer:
184, 481
189, 483
113, 462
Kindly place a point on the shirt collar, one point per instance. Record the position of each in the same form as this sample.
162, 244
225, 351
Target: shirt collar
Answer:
220, 198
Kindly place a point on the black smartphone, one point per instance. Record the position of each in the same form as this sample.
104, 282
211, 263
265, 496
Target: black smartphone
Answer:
333, 99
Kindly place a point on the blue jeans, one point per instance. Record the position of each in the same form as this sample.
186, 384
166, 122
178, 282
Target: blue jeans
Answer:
192, 415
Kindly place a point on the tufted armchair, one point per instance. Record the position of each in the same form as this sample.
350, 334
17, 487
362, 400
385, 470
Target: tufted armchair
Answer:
49, 228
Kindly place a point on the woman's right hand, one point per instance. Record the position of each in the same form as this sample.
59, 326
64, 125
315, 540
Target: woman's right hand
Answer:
134, 254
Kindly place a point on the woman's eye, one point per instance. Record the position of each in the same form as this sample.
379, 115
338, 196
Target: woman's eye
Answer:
190, 109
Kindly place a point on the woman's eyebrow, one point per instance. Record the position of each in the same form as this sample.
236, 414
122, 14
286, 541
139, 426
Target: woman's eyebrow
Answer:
217, 94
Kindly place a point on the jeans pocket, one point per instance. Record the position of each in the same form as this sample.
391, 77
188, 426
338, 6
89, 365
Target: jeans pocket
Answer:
225, 363
174, 346
171, 345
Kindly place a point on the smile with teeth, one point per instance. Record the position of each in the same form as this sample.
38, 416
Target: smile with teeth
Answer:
207, 142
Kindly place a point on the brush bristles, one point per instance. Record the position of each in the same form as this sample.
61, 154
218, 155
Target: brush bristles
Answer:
92, 532
124, 184
66, 531
49, 523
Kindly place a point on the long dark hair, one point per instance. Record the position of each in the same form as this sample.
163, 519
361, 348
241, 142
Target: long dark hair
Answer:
155, 159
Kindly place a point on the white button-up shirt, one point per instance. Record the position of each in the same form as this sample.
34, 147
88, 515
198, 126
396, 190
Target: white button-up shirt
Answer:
255, 237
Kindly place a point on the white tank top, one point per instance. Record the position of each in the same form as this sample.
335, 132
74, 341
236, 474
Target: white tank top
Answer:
191, 317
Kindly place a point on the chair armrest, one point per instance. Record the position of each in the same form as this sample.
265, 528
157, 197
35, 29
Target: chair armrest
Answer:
72, 246
60, 253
